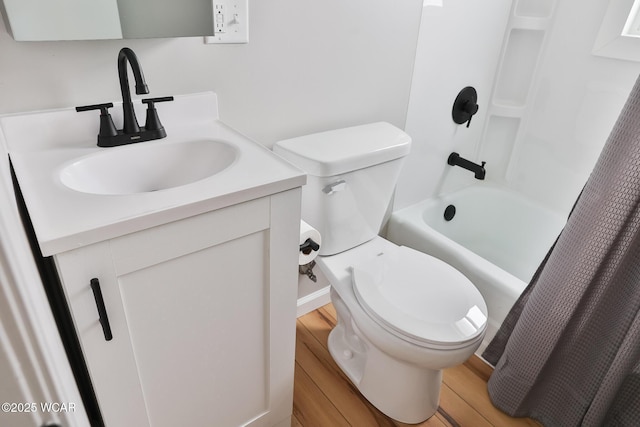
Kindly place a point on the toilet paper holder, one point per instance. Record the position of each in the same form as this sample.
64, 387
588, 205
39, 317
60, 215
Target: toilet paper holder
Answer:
308, 246
307, 270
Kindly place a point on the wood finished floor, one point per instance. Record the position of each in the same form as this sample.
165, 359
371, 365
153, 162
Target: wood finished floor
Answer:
324, 397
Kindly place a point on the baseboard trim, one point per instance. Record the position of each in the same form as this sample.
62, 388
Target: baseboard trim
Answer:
313, 301
480, 366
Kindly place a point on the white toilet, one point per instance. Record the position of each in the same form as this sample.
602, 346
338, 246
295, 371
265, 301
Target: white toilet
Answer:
403, 315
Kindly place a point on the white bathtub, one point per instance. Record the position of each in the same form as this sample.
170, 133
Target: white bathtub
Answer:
497, 238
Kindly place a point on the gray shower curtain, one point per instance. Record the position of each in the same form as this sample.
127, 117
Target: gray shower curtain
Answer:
568, 353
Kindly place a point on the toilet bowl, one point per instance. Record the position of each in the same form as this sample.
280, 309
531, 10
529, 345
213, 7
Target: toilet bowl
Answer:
393, 343
403, 315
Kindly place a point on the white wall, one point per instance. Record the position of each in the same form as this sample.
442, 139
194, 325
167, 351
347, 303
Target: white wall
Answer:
309, 66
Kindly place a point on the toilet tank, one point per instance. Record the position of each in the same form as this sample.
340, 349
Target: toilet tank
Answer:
352, 173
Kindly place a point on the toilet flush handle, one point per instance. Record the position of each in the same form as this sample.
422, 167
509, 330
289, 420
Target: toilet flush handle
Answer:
335, 187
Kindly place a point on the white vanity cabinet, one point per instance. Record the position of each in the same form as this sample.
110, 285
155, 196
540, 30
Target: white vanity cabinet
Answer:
202, 312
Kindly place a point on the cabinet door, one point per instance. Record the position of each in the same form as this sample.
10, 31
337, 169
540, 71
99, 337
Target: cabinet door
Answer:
198, 311
197, 324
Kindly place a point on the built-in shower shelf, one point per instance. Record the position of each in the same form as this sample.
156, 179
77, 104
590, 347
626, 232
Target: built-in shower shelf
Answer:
526, 33
535, 8
519, 60
505, 108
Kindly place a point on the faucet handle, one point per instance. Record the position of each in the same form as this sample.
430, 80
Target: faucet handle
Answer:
107, 128
152, 101
153, 121
465, 106
102, 107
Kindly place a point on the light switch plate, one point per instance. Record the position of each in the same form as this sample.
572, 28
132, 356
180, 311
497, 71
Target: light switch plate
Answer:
230, 22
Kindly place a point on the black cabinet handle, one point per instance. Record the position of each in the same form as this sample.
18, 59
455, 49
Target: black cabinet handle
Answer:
102, 310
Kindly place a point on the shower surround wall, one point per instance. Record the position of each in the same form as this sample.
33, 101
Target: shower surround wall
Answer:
459, 45
574, 100
547, 104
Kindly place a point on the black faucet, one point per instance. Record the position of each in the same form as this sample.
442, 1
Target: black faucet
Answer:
130, 124
478, 170
131, 132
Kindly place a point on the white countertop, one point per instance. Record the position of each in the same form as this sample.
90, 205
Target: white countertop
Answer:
40, 144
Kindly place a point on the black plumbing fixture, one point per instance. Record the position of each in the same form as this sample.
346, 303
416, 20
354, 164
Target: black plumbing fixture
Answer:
131, 132
449, 212
465, 106
126, 55
308, 246
478, 170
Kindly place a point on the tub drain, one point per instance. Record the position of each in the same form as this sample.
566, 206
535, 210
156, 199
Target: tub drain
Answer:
449, 212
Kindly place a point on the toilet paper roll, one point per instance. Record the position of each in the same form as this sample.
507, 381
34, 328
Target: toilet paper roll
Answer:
308, 232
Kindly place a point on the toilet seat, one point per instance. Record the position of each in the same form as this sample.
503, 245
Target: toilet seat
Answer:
419, 298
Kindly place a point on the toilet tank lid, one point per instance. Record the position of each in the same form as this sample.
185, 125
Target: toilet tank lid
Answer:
343, 150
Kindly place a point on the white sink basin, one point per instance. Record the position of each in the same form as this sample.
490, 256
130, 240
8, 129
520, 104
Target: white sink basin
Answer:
150, 166
79, 194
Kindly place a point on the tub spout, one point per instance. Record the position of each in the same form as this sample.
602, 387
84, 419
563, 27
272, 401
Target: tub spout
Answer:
478, 170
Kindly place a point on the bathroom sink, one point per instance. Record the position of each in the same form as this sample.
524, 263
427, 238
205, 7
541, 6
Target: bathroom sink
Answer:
147, 167
78, 193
